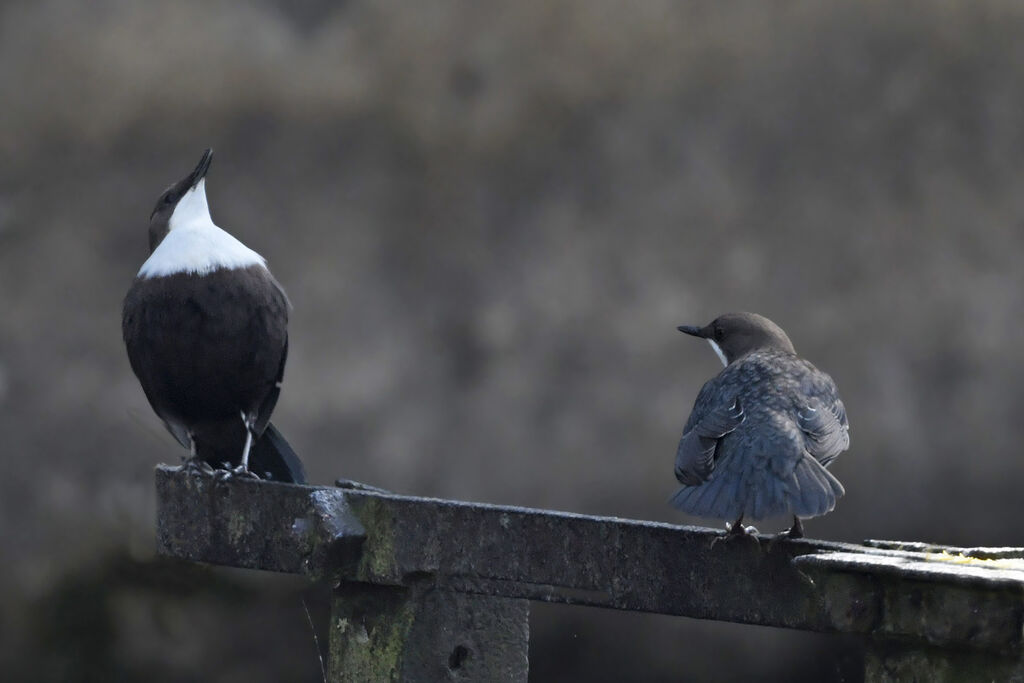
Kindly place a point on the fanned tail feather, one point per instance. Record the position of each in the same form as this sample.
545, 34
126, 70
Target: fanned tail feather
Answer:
716, 498
813, 489
810, 491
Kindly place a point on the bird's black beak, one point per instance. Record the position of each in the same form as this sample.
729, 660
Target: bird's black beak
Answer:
692, 330
201, 169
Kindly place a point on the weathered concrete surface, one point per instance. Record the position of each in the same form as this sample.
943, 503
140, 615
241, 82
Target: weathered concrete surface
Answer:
936, 599
422, 633
393, 555
1009, 553
254, 524
897, 662
577, 559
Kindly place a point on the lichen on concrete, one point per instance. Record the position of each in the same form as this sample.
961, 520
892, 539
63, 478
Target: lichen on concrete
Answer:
369, 634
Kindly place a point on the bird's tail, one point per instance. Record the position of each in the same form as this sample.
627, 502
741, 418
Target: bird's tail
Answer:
273, 458
717, 498
810, 491
814, 490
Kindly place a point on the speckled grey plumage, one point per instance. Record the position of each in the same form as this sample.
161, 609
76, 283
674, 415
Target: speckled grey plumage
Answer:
759, 438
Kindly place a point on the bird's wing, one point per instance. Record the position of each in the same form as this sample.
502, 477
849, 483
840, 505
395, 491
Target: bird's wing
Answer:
274, 354
270, 400
179, 432
272, 455
132, 329
695, 456
826, 430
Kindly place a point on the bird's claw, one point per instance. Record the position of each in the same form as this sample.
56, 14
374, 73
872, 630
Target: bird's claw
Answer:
244, 472
229, 473
197, 468
739, 530
736, 531
795, 531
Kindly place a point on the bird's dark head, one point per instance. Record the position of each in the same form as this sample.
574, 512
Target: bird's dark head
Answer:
183, 201
734, 335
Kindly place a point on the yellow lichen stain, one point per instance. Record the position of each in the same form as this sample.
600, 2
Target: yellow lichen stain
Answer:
1014, 564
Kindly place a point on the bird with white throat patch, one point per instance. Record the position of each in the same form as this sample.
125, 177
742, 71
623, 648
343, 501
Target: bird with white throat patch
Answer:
205, 327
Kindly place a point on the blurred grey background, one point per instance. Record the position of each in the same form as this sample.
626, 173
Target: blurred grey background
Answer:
490, 217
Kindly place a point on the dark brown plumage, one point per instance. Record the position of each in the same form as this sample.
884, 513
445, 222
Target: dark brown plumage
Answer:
205, 327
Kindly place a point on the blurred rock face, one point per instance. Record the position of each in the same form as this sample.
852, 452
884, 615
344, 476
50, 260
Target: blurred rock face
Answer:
491, 217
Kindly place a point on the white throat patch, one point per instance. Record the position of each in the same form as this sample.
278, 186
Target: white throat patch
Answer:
718, 351
192, 207
194, 244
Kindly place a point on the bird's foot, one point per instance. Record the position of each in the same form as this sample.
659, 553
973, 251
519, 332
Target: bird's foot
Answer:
244, 472
197, 468
795, 531
736, 531
239, 472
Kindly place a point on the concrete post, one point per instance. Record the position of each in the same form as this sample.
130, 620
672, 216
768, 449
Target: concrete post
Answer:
422, 633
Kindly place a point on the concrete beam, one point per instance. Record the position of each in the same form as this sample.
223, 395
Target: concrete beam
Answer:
926, 599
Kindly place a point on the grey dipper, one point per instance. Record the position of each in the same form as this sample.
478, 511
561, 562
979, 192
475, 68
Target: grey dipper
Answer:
205, 326
761, 432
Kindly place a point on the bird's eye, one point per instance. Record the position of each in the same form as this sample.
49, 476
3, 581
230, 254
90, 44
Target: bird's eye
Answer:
719, 335
167, 199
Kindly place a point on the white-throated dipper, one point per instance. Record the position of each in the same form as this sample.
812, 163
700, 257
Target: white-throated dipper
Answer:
205, 325
761, 432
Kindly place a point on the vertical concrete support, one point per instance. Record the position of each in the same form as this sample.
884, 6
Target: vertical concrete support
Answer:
422, 633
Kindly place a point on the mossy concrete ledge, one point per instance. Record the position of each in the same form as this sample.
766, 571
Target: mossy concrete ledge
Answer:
437, 590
